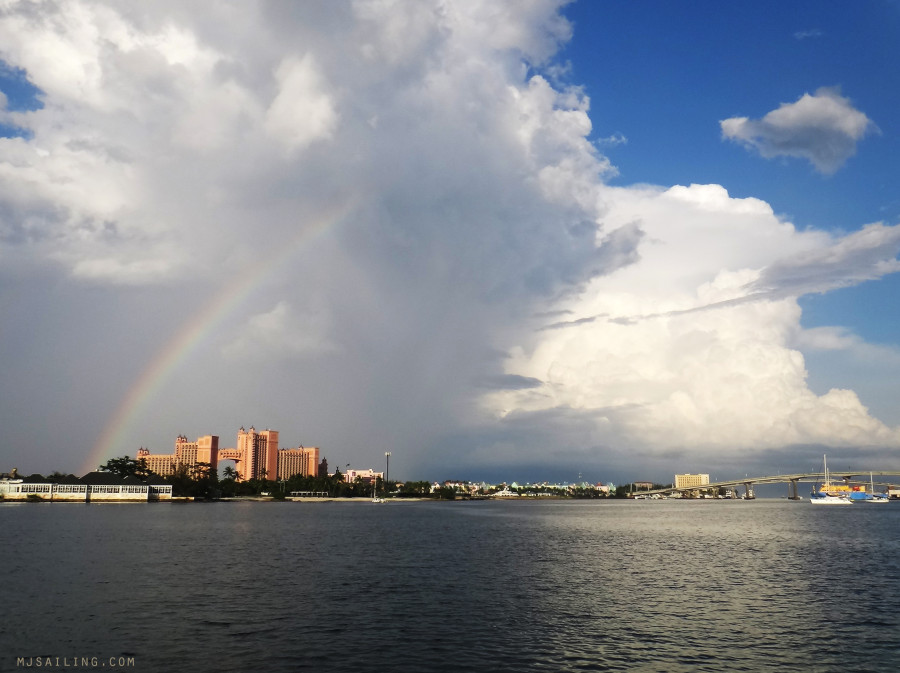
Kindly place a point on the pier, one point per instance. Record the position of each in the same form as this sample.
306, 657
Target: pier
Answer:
849, 478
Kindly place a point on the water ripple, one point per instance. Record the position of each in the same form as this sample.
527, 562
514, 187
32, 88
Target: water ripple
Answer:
457, 587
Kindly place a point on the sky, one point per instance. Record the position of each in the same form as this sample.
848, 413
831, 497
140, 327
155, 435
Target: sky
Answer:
523, 240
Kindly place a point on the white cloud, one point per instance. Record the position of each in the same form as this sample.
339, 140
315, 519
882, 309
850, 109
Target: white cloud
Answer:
302, 111
280, 334
867, 254
823, 128
805, 34
615, 139
187, 152
837, 338
682, 348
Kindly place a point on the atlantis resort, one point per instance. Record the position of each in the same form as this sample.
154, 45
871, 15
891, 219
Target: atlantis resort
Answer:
256, 456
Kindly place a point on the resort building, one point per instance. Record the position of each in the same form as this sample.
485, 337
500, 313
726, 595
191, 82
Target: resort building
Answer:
158, 463
258, 453
367, 476
255, 457
302, 460
204, 450
689, 480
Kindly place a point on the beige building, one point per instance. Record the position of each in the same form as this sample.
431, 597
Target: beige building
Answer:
689, 480
204, 450
302, 460
368, 476
258, 453
159, 463
256, 456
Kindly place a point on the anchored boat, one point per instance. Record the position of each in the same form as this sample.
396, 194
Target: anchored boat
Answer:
829, 494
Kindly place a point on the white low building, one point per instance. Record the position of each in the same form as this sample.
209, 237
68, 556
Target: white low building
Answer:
123, 491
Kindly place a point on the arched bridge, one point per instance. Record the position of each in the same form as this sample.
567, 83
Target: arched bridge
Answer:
748, 483
237, 455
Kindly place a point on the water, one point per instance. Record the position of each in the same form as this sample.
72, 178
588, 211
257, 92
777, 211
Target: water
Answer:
464, 586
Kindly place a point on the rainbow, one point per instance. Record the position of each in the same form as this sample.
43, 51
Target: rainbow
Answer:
193, 333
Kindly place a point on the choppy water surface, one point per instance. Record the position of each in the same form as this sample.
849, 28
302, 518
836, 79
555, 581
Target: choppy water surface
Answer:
465, 586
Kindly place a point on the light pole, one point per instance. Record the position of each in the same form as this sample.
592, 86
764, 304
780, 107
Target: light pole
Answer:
387, 470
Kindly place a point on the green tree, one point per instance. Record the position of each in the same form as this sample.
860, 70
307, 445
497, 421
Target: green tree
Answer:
194, 481
228, 486
413, 489
127, 467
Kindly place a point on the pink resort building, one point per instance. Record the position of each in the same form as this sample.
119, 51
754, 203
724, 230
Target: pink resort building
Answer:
256, 456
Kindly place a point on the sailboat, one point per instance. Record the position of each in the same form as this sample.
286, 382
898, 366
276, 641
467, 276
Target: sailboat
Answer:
824, 497
375, 498
873, 496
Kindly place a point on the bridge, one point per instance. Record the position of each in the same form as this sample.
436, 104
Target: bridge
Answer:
849, 478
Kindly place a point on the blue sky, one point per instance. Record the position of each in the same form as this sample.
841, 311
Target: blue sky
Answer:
502, 240
663, 74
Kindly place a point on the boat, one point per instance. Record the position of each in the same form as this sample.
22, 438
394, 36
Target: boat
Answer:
376, 498
873, 496
828, 495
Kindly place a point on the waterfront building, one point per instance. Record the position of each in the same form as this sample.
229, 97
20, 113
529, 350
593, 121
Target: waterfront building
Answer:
258, 453
255, 457
204, 450
92, 487
302, 460
367, 476
158, 463
689, 480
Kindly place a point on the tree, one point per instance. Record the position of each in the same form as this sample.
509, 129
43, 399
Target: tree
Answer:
201, 471
198, 481
127, 467
411, 489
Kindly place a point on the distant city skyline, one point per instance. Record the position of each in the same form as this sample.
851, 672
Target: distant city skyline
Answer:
501, 240
256, 455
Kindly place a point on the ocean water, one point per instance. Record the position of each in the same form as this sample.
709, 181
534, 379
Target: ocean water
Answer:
451, 586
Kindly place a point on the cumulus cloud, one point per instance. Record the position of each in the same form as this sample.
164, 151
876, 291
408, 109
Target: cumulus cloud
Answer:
406, 166
823, 128
399, 218
302, 111
692, 346
282, 333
